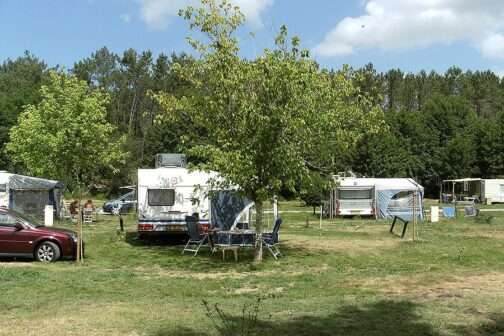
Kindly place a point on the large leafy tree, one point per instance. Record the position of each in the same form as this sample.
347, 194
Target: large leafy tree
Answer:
263, 124
66, 136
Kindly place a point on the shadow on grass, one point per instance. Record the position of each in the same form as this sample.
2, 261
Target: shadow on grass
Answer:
377, 319
174, 240
495, 326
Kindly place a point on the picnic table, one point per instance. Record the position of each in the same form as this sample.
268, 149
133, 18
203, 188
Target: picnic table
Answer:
233, 240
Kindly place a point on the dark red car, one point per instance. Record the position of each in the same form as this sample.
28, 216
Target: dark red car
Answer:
22, 236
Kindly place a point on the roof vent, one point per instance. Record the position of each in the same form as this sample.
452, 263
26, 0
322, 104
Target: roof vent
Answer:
171, 160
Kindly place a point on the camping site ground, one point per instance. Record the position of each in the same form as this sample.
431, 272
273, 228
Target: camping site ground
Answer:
352, 277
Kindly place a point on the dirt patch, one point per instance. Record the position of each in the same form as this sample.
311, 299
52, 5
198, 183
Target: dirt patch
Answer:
6, 264
160, 272
490, 284
486, 234
354, 246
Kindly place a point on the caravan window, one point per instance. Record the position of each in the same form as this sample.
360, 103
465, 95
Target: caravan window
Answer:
355, 194
3, 187
161, 197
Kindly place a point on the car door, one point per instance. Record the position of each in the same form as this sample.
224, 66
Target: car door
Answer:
14, 241
7, 229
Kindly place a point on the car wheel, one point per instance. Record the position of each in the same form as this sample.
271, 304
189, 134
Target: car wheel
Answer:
47, 252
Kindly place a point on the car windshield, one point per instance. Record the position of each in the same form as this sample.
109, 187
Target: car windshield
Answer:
27, 219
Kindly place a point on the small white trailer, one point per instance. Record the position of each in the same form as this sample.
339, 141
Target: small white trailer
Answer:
355, 197
167, 195
492, 191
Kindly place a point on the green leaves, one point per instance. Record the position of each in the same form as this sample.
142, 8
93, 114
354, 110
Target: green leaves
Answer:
263, 124
66, 135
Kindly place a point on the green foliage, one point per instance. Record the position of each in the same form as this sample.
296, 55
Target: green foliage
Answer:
66, 136
20, 81
265, 122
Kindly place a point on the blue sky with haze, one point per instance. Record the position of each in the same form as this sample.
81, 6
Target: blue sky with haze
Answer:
407, 34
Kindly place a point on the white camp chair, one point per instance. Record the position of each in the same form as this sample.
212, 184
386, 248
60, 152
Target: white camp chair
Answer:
87, 216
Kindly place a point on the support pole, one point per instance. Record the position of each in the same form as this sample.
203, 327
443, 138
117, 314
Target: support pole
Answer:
414, 216
320, 224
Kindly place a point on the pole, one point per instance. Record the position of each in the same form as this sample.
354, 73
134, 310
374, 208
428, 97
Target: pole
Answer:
320, 224
414, 216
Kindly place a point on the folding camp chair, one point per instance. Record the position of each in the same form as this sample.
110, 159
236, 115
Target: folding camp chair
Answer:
196, 239
270, 239
87, 216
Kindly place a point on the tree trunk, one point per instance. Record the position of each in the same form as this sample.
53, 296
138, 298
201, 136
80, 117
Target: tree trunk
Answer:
259, 229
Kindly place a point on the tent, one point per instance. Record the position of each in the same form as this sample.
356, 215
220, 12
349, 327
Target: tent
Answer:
30, 195
400, 197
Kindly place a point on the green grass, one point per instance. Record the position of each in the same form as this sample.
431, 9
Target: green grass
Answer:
349, 278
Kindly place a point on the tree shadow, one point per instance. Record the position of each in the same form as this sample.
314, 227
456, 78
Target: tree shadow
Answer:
376, 319
495, 326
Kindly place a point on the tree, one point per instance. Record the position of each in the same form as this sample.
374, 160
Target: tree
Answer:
66, 136
263, 123
20, 81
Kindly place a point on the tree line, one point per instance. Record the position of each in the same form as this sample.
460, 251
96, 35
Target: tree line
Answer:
439, 125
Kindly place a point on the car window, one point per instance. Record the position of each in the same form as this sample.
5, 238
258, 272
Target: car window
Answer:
7, 220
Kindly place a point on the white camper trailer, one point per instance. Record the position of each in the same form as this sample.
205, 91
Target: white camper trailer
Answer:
376, 197
355, 198
492, 191
167, 195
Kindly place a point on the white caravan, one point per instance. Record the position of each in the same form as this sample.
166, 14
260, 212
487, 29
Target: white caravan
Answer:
167, 195
355, 196
492, 191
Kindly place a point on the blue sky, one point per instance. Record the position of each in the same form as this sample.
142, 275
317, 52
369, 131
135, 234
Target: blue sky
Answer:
406, 34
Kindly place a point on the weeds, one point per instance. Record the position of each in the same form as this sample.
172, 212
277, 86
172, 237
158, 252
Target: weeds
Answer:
228, 324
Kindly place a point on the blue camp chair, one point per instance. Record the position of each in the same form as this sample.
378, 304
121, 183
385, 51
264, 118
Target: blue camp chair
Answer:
270, 239
449, 212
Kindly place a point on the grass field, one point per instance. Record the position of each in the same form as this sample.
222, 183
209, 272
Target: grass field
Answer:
350, 278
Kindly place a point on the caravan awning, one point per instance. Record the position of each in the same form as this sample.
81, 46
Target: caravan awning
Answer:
463, 180
20, 182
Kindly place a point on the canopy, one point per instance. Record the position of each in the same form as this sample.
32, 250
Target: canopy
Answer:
20, 182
